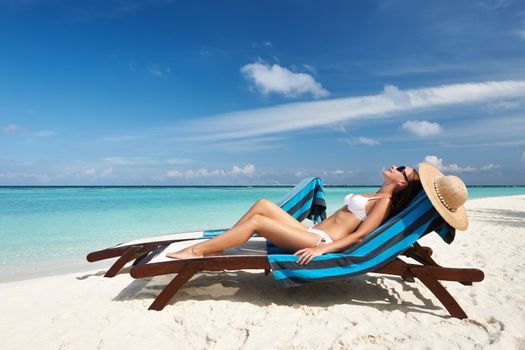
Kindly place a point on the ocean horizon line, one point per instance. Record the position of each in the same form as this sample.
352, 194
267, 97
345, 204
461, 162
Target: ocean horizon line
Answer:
208, 186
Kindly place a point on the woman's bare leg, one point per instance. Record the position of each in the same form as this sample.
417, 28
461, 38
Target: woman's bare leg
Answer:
263, 207
281, 234
267, 208
271, 210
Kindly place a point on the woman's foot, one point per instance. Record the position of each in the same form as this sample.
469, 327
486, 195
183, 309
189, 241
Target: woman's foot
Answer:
186, 253
217, 253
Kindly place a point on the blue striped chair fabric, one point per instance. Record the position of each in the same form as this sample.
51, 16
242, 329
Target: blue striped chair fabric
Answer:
378, 248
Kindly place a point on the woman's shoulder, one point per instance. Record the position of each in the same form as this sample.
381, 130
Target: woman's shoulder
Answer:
376, 196
382, 201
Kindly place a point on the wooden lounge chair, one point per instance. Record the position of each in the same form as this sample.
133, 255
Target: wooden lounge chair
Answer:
137, 250
379, 252
305, 200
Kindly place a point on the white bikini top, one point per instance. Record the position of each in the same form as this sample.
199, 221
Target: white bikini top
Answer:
357, 204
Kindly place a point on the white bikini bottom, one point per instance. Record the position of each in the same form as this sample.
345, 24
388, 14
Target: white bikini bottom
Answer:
323, 236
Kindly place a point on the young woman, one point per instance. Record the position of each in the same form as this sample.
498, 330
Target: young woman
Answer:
360, 215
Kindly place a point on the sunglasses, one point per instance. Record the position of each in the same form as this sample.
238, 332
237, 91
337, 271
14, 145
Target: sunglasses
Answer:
401, 169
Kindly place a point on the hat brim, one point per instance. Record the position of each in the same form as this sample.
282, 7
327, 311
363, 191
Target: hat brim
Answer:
457, 219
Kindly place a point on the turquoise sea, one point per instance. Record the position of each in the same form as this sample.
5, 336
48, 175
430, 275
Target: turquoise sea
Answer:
49, 230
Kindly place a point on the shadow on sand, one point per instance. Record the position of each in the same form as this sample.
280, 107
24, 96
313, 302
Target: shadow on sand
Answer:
255, 288
98, 273
513, 218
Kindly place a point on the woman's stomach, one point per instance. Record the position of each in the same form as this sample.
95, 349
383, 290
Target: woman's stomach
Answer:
340, 224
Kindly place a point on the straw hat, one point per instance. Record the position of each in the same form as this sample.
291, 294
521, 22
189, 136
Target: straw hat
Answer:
447, 194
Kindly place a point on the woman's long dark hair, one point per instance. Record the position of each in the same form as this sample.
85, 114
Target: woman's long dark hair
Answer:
401, 198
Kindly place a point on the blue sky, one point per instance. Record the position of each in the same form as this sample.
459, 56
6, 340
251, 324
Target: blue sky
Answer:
160, 92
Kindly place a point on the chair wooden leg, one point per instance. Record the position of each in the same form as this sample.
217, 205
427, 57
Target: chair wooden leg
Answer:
428, 251
422, 255
130, 254
441, 293
169, 291
407, 276
139, 259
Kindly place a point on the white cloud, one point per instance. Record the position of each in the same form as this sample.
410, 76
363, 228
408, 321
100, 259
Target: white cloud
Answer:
362, 141
304, 115
435, 161
336, 172
84, 171
422, 128
262, 44
130, 161
174, 173
280, 80
310, 68
494, 4
490, 167
481, 135
204, 172
368, 141
453, 168
521, 33
12, 129
208, 51
399, 97
159, 71
89, 172
523, 156
247, 170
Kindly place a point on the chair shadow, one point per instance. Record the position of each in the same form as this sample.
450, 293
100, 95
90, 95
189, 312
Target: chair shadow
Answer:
255, 288
98, 273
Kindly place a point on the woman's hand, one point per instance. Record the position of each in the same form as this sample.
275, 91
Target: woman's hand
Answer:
307, 254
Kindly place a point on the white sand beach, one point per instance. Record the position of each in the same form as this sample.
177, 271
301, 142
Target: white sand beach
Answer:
242, 309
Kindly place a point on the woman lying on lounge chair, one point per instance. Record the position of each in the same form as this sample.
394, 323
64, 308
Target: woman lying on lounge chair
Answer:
360, 215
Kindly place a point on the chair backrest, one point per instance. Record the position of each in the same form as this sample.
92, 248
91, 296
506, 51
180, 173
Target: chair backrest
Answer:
378, 248
305, 201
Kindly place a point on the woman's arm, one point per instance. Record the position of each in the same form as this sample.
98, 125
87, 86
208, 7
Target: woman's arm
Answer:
376, 216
